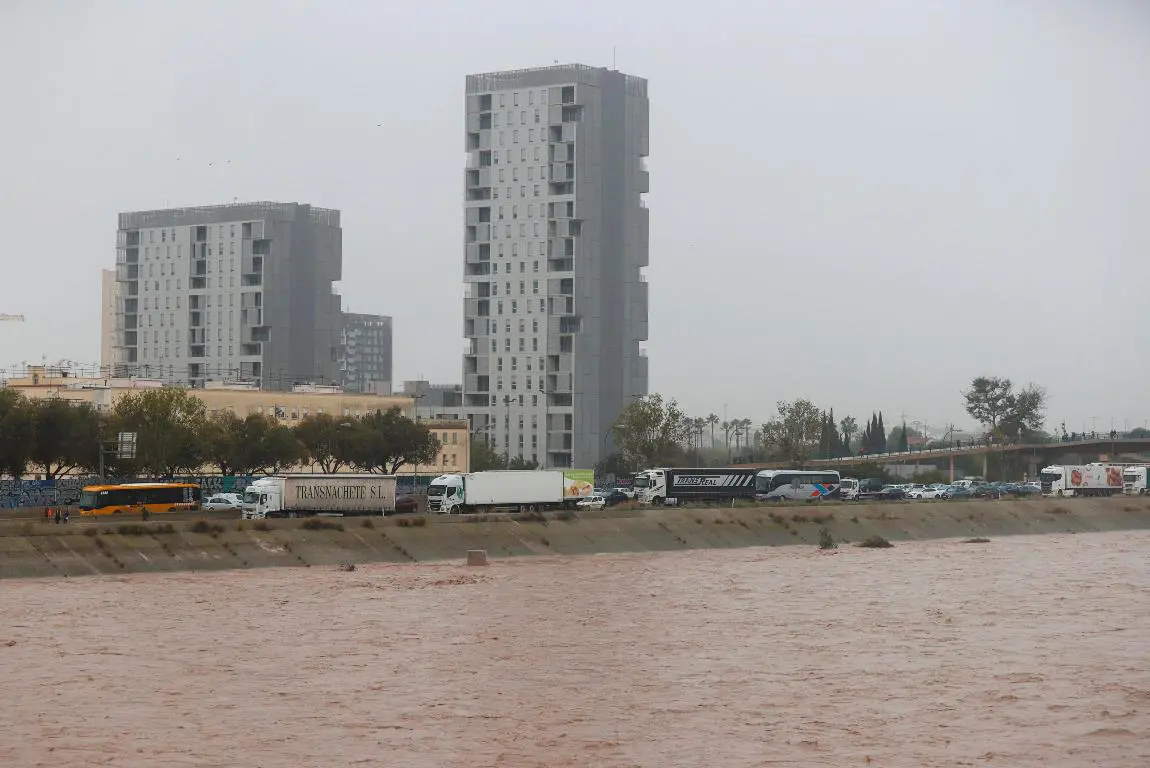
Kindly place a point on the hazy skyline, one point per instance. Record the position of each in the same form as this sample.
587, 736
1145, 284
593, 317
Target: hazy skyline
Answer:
862, 204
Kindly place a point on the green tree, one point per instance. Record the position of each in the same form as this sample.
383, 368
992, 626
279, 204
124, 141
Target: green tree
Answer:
793, 436
276, 447
169, 424
256, 444
1003, 410
484, 457
523, 464
848, 428
331, 443
650, 431
880, 435
67, 436
616, 464
384, 441
17, 433
903, 443
225, 442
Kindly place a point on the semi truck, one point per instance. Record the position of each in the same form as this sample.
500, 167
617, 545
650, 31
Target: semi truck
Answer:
305, 495
1134, 480
1081, 480
684, 486
509, 491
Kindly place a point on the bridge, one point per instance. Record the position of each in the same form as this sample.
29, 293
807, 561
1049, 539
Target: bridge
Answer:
1096, 445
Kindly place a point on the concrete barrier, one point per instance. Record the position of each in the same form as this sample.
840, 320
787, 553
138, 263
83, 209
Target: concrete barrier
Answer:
86, 547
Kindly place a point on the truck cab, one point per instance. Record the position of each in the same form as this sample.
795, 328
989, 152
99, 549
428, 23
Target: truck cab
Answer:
263, 498
445, 494
849, 488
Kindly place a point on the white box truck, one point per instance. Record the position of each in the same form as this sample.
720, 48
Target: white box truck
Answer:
331, 495
1081, 480
509, 491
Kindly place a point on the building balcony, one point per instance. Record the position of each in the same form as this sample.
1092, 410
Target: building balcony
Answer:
476, 382
562, 172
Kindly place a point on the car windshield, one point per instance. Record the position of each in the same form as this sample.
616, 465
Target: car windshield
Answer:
436, 490
642, 482
88, 500
1050, 477
251, 497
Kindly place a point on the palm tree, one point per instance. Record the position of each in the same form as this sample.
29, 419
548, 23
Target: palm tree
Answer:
727, 427
712, 419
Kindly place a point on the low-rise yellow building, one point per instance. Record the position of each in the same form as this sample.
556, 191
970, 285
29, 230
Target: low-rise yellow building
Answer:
286, 407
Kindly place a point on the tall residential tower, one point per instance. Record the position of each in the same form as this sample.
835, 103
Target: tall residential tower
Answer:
556, 238
229, 292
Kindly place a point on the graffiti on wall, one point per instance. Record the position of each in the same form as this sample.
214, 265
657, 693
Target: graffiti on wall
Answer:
47, 493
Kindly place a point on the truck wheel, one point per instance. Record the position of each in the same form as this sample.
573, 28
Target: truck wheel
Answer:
1059, 494
657, 501
531, 508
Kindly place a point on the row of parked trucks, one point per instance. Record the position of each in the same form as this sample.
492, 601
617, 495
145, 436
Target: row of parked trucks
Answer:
347, 495
529, 491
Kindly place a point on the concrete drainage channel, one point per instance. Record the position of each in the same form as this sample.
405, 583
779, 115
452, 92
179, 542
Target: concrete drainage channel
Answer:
33, 549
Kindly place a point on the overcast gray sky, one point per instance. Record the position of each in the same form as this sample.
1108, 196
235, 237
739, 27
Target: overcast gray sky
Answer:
861, 203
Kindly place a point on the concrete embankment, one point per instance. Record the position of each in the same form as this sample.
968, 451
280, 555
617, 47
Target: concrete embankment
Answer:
84, 548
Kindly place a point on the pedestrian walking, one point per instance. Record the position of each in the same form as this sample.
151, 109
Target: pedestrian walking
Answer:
67, 515
57, 516
47, 514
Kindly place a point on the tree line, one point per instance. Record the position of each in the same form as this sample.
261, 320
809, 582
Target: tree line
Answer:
175, 435
653, 431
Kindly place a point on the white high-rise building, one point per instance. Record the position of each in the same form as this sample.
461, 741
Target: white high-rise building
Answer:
556, 238
229, 292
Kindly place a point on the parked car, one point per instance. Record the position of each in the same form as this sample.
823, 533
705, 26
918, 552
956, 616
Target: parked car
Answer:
925, 493
957, 492
616, 497
406, 505
892, 493
596, 501
985, 492
628, 492
222, 502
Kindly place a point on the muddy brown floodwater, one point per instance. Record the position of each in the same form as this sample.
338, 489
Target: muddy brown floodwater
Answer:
1026, 651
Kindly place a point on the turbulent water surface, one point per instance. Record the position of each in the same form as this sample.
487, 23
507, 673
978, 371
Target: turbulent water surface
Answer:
1025, 651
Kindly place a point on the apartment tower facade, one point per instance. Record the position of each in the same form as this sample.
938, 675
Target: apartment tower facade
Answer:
555, 242
237, 292
365, 353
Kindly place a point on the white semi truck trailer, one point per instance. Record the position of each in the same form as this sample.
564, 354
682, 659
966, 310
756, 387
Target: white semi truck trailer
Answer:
509, 491
305, 495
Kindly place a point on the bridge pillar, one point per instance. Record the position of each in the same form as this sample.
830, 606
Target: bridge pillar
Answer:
952, 468
985, 464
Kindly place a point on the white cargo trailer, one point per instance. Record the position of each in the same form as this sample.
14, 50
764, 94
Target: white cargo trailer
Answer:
508, 491
1081, 480
332, 495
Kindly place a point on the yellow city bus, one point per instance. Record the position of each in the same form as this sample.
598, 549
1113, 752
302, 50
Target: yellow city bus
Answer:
133, 498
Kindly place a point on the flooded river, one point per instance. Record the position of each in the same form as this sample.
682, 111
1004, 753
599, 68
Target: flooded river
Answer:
1025, 651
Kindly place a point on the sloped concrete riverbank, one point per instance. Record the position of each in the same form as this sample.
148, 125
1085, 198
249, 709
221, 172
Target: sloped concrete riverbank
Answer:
86, 548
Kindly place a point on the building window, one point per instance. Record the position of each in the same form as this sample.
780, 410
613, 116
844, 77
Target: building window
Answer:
535, 345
